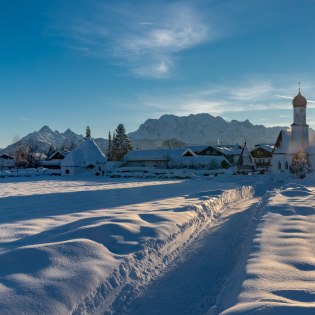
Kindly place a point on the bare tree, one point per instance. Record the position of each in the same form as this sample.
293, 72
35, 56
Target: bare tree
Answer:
172, 143
20, 153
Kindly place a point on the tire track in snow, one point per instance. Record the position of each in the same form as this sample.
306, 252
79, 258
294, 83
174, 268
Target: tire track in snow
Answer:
191, 286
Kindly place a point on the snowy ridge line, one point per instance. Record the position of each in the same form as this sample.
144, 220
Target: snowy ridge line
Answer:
232, 287
128, 280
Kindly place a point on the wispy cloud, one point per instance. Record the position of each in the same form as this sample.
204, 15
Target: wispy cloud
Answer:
146, 38
291, 98
249, 96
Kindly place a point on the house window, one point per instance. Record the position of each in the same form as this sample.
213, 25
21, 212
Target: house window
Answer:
67, 172
286, 165
279, 165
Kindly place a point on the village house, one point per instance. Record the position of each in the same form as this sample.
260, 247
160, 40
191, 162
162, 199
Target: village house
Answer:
86, 159
6, 161
230, 152
159, 158
54, 160
174, 158
262, 154
200, 162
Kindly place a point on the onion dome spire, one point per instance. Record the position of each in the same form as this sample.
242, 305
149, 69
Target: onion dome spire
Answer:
299, 100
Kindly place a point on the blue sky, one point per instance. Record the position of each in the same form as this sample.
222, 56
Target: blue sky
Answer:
69, 64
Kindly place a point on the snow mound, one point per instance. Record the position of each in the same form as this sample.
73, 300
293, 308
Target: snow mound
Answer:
50, 278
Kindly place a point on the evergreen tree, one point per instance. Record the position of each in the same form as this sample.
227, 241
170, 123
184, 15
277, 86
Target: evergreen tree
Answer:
300, 164
120, 143
109, 147
88, 133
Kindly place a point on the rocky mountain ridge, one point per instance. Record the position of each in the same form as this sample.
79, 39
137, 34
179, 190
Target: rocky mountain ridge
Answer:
199, 129
204, 129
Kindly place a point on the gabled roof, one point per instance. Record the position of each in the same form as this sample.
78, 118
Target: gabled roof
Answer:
197, 148
266, 147
86, 154
245, 158
282, 144
60, 153
157, 154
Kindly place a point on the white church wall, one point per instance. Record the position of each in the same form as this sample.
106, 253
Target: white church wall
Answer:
281, 166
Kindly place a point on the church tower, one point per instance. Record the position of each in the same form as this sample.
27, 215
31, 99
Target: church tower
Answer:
299, 128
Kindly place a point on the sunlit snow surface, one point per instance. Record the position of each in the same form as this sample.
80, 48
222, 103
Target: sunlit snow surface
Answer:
280, 269
83, 246
78, 246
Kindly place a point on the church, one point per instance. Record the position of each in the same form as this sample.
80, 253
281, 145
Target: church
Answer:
293, 151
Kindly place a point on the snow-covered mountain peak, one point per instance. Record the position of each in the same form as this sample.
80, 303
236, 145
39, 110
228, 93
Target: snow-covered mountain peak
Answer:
45, 129
69, 132
203, 129
44, 139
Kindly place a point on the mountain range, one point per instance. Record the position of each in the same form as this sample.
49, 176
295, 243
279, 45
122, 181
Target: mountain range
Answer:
199, 129
204, 129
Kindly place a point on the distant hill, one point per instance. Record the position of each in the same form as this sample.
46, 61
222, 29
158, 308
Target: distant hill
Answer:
203, 129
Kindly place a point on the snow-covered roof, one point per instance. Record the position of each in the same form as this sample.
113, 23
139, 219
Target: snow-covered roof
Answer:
282, 144
231, 149
87, 153
266, 147
56, 153
157, 154
197, 148
246, 159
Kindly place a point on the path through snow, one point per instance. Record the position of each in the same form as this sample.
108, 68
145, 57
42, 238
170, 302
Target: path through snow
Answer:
191, 287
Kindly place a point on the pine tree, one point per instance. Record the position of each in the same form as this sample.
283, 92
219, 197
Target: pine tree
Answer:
300, 164
88, 133
120, 143
109, 147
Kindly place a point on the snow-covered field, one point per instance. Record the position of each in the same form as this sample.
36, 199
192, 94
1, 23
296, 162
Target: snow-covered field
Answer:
87, 245
98, 246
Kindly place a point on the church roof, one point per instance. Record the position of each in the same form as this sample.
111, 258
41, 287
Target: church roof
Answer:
299, 100
282, 144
